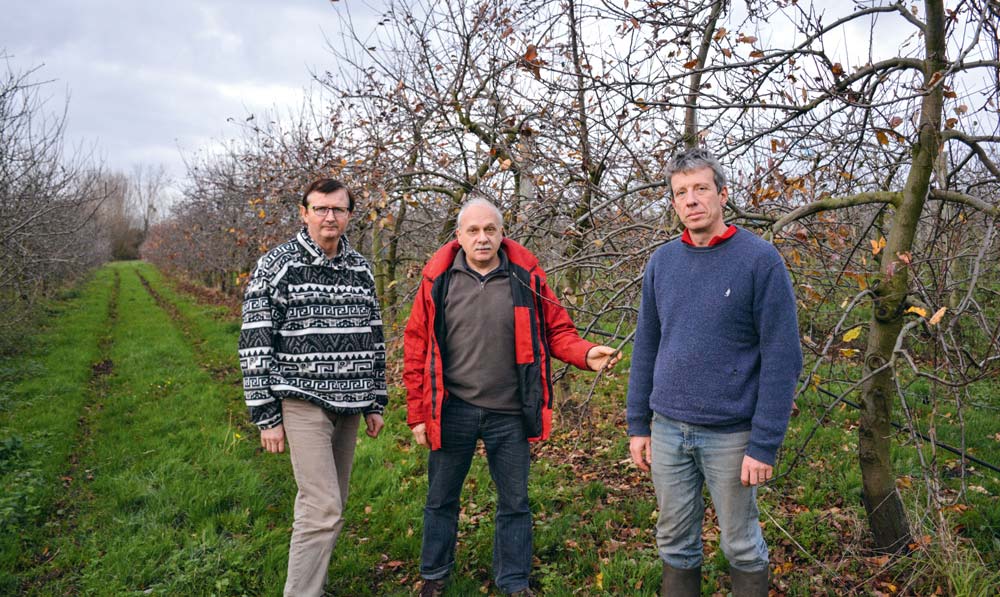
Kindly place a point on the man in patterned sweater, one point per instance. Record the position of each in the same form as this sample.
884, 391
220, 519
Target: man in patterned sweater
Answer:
313, 359
714, 368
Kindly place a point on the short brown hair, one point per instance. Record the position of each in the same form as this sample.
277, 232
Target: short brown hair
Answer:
327, 185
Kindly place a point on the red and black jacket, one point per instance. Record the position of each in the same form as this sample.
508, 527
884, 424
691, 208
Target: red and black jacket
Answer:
542, 328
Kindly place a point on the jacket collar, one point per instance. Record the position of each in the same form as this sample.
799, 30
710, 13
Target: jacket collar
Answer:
316, 253
444, 257
460, 263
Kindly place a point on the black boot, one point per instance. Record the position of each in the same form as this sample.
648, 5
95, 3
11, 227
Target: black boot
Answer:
680, 582
749, 584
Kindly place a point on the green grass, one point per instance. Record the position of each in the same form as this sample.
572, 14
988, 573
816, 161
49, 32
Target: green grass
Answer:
45, 392
149, 480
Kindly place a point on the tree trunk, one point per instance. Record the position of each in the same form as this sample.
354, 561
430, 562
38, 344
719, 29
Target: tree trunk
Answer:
886, 516
591, 172
694, 83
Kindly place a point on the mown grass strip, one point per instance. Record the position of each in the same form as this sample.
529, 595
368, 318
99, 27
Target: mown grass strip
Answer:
177, 509
42, 415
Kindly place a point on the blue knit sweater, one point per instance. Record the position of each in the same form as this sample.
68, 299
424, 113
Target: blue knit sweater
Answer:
717, 342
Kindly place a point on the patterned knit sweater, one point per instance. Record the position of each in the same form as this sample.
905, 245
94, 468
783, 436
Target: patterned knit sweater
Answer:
312, 330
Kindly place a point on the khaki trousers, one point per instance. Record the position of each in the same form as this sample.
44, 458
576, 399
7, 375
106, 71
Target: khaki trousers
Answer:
322, 452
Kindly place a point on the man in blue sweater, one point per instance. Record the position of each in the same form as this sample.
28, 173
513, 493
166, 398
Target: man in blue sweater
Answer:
714, 370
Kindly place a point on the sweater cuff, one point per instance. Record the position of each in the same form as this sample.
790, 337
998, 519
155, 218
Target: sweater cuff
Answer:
639, 428
270, 424
762, 454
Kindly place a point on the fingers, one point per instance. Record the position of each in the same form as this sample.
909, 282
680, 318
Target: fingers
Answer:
615, 355
273, 445
273, 439
602, 357
755, 472
639, 449
420, 435
640, 461
374, 424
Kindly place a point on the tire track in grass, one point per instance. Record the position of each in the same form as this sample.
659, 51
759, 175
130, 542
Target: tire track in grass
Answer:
175, 507
225, 372
53, 408
221, 373
63, 518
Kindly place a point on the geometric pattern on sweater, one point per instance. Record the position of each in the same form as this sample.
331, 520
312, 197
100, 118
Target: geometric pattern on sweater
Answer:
312, 330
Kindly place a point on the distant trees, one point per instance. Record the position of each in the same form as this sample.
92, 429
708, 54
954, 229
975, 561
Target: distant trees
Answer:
48, 204
60, 215
872, 164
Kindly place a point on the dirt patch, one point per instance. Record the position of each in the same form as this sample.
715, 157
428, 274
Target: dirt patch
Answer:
102, 368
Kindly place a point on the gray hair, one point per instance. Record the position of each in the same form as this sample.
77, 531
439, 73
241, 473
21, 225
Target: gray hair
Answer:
696, 159
478, 201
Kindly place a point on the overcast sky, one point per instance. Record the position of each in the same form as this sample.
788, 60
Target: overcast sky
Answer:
148, 80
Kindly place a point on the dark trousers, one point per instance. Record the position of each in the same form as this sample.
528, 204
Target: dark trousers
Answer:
509, 458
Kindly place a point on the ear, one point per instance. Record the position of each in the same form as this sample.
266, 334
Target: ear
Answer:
303, 213
724, 194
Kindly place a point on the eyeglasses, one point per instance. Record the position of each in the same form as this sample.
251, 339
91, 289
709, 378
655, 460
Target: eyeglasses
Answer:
322, 212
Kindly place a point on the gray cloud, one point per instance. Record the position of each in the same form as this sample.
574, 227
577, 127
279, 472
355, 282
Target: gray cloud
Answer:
146, 78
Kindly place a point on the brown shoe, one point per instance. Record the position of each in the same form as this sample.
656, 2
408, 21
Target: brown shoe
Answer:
433, 587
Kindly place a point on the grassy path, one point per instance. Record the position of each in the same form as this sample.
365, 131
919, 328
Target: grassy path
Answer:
44, 414
128, 467
159, 496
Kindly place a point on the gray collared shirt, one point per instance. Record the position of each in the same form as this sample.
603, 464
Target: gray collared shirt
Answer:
479, 318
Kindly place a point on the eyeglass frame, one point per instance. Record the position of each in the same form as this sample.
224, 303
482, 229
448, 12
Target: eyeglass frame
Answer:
324, 210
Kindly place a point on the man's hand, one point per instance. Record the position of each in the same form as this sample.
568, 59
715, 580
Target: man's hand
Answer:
600, 357
640, 447
420, 435
755, 472
273, 439
375, 423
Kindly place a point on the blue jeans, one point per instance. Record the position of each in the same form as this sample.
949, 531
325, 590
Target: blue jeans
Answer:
509, 457
684, 458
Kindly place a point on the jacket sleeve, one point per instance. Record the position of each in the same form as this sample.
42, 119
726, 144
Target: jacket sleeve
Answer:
645, 349
378, 345
263, 312
564, 341
415, 346
780, 360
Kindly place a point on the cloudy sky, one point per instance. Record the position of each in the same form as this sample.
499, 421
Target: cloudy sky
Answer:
149, 81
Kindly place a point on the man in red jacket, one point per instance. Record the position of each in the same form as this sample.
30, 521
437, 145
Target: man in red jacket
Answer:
477, 345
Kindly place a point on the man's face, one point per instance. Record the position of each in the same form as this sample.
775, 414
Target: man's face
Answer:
326, 229
479, 233
698, 201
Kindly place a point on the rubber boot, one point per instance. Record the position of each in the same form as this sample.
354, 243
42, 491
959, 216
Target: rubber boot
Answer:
749, 584
680, 582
